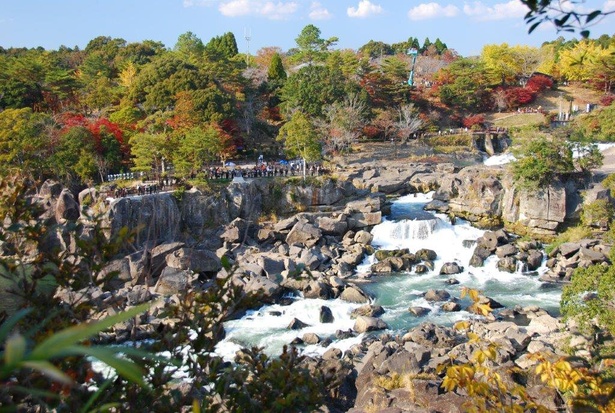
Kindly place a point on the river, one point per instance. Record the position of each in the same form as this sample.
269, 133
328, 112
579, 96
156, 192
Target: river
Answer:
408, 226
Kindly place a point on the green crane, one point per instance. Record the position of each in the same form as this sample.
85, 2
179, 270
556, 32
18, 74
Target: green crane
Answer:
414, 53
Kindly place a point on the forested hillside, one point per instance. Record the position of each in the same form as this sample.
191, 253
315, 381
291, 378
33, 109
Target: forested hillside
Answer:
80, 115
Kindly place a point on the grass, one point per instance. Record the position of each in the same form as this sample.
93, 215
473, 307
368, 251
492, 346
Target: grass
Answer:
515, 120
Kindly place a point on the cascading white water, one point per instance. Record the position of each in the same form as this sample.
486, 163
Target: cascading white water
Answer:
267, 327
413, 229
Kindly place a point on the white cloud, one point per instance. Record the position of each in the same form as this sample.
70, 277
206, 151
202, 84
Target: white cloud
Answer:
318, 12
427, 11
609, 5
190, 3
268, 9
512, 9
365, 9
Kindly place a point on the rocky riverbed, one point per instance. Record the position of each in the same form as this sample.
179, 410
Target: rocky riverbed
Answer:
314, 251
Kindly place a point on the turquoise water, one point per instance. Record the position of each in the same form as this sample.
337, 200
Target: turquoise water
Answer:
267, 327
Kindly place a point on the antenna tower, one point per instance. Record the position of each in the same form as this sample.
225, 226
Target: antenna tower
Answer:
247, 34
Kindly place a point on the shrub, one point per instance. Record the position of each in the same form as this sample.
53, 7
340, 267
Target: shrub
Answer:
517, 96
539, 83
475, 120
607, 100
540, 161
597, 214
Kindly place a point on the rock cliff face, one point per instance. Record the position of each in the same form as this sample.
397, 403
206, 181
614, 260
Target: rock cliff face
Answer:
487, 197
483, 195
154, 218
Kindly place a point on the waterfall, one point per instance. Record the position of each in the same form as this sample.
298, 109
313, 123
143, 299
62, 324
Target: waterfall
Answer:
413, 229
521, 267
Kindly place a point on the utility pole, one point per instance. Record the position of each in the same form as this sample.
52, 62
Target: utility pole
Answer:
247, 34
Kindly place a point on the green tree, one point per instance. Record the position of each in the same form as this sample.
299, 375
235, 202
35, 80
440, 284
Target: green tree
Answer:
540, 162
395, 71
599, 124
139, 53
441, 47
75, 155
376, 49
589, 298
222, 47
276, 73
37, 80
311, 88
23, 143
200, 145
189, 47
464, 85
300, 138
311, 47
150, 151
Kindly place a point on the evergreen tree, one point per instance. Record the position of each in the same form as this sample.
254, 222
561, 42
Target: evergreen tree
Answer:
276, 73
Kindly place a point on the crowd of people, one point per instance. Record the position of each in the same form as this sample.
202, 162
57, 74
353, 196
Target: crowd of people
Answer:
260, 170
265, 169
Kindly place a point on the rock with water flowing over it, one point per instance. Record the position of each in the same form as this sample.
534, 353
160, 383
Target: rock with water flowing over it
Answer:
383, 254
354, 254
367, 310
297, 324
363, 324
436, 295
421, 269
392, 264
266, 290
507, 264
450, 268
318, 289
489, 240
481, 253
451, 306
419, 311
326, 315
425, 254
534, 260
310, 338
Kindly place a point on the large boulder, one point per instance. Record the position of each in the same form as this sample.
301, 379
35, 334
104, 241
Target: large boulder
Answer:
436, 295
67, 209
266, 290
333, 226
450, 268
364, 324
542, 210
304, 233
354, 294
173, 281
198, 261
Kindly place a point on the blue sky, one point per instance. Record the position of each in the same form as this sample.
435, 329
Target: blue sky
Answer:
463, 25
